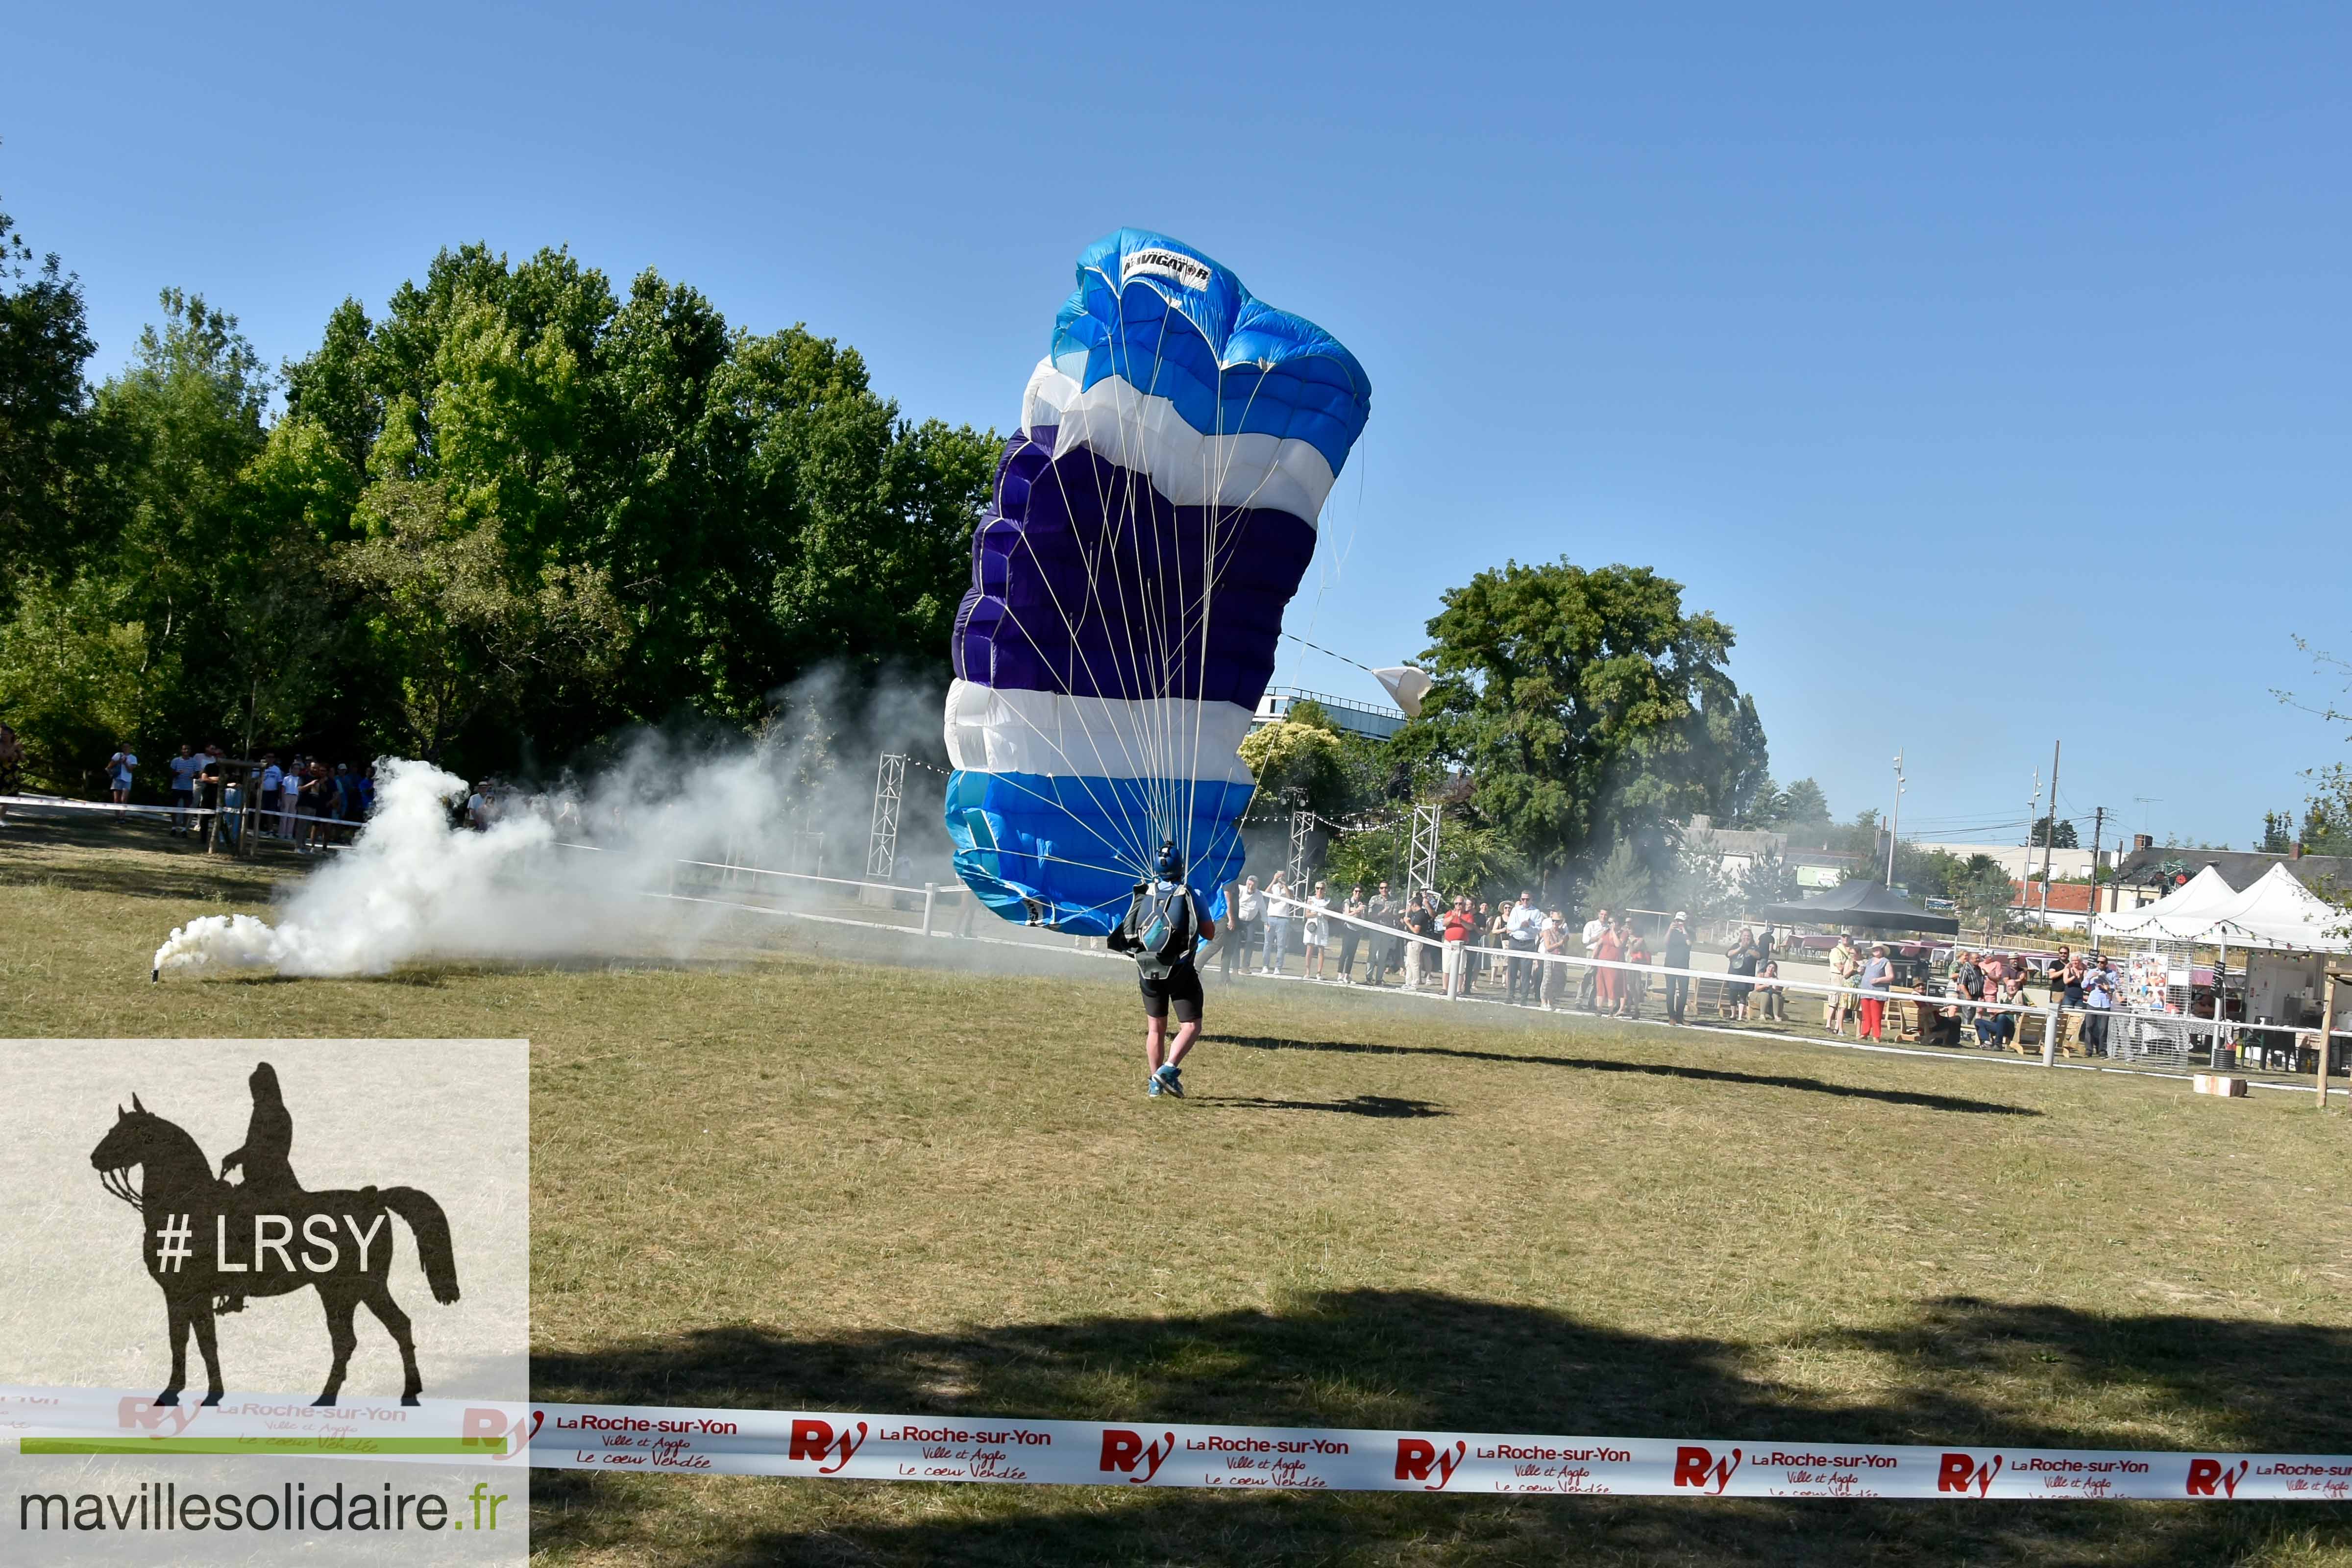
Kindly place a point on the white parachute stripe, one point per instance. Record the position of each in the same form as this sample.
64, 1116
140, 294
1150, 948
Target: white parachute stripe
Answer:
1014, 731
1143, 432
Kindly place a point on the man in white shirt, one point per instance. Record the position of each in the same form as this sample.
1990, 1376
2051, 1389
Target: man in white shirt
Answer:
184, 769
1520, 928
1587, 987
117, 773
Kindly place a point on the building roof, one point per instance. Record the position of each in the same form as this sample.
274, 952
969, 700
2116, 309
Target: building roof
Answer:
2242, 868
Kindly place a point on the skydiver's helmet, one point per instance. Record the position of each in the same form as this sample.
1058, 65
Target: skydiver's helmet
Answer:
1169, 866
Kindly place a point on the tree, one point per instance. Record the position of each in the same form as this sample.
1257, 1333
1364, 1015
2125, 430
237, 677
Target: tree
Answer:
1806, 805
44, 427
2064, 837
1622, 882
1768, 880
2278, 832
457, 627
1983, 891
1585, 707
1292, 760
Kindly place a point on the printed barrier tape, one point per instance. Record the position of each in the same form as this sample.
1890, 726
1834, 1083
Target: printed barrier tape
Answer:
886, 1448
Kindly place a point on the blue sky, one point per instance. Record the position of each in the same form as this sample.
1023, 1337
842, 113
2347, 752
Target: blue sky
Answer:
1985, 369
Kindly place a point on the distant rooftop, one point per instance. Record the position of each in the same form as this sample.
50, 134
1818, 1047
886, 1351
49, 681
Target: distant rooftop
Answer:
1357, 718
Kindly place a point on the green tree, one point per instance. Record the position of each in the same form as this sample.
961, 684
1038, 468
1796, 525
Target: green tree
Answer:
447, 610
1768, 880
2278, 832
1623, 880
1807, 806
1983, 891
2064, 834
1585, 707
44, 427
1297, 762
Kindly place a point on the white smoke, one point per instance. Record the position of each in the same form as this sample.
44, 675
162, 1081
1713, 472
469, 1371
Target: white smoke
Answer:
564, 874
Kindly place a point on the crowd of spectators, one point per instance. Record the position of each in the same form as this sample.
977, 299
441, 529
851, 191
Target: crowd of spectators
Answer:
304, 801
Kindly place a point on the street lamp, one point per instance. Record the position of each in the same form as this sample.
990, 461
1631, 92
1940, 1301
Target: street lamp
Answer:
1894, 827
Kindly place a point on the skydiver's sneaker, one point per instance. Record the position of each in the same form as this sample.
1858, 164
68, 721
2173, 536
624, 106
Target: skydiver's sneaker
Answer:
1169, 1079
1151, 1086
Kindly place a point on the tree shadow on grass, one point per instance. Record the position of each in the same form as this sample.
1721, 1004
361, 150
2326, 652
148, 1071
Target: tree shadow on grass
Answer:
1964, 1372
1384, 1106
1916, 1099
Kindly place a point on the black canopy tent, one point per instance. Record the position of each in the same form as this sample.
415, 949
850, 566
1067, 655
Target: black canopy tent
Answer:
1863, 905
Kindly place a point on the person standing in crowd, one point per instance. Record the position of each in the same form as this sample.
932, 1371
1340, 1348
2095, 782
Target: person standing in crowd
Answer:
1421, 922
1838, 1007
1635, 989
1383, 951
2070, 998
1318, 929
2012, 991
1276, 945
1969, 985
1609, 984
184, 769
1588, 989
1763, 947
1678, 956
1461, 930
119, 769
1247, 907
273, 779
1878, 976
2098, 1004
1551, 944
1522, 930
1352, 932
367, 791
1740, 962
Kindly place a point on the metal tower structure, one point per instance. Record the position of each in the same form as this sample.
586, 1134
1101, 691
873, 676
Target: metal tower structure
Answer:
1421, 859
1302, 827
882, 842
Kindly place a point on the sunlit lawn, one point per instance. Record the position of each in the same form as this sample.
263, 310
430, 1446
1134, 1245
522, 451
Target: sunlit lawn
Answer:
789, 1178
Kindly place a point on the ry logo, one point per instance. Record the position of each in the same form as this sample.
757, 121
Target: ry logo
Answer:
1122, 1450
816, 1440
1961, 1473
1695, 1467
135, 1412
1416, 1457
2204, 1474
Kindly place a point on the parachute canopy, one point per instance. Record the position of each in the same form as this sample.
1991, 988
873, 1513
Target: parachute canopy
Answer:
1152, 519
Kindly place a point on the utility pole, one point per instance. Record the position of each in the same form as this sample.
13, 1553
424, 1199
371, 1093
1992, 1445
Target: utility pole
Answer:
2050, 835
1894, 827
2025, 868
2091, 919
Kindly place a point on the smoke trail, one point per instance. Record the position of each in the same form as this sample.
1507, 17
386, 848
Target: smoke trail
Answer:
558, 874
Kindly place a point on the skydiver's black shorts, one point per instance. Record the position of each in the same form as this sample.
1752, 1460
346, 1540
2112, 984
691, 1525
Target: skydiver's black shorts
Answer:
1181, 986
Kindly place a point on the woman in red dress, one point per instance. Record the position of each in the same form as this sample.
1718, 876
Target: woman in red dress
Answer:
1607, 985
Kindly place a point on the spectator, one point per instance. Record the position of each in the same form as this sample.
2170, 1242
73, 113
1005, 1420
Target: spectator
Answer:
1678, 956
184, 769
2098, 1003
366, 791
1877, 974
1461, 927
1318, 929
273, 779
119, 769
1608, 985
1588, 989
1837, 1010
1352, 934
1634, 987
1380, 955
1764, 947
1767, 985
1420, 921
1523, 931
1551, 939
1969, 984
1247, 907
2070, 997
1741, 963
1276, 948
312, 801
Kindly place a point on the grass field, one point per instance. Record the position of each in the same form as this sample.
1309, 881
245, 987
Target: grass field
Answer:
787, 1177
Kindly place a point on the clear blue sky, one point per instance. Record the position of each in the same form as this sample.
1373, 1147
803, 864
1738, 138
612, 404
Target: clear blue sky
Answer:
1985, 369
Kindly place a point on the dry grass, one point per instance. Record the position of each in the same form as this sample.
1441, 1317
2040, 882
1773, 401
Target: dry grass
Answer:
794, 1179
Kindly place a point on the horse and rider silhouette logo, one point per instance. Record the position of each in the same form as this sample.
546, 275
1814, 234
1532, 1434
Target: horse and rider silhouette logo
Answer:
210, 1243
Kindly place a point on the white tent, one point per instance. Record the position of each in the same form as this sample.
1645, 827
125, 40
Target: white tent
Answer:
2181, 915
2279, 912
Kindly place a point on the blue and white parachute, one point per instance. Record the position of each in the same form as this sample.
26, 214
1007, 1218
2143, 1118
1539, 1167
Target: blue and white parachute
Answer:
1152, 519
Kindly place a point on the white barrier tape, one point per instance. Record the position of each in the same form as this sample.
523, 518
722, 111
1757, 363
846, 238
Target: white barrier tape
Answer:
829, 1445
